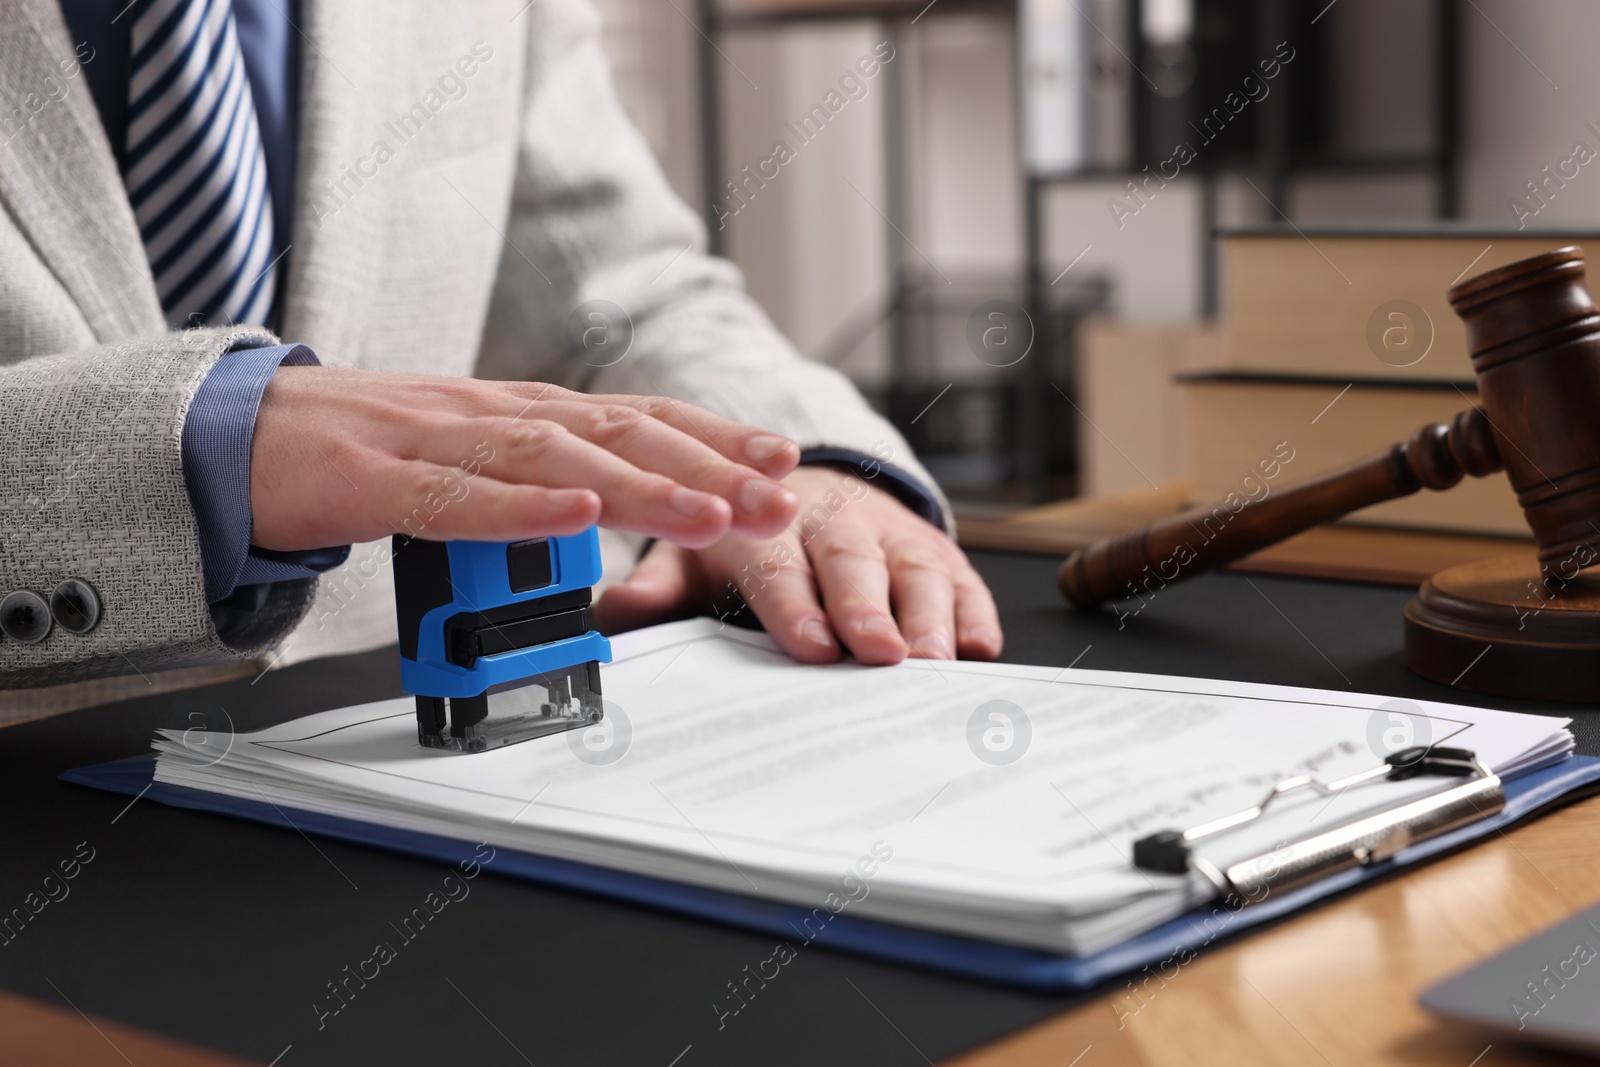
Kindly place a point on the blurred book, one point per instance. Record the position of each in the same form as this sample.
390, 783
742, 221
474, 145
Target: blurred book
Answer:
1335, 343
1216, 77
1302, 427
1052, 54
1076, 85
1110, 79
1363, 303
1133, 428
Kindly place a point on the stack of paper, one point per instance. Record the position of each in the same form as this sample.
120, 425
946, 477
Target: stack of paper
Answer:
994, 801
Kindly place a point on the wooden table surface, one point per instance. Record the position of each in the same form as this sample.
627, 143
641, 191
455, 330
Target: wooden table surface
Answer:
44, 1035
1338, 985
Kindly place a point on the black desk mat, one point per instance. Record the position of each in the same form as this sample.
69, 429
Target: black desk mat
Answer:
227, 934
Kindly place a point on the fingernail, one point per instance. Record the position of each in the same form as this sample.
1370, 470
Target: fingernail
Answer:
688, 503
875, 624
570, 499
932, 646
755, 495
761, 449
816, 631
982, 635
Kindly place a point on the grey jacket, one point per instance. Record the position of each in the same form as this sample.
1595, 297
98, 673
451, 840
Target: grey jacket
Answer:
445, 224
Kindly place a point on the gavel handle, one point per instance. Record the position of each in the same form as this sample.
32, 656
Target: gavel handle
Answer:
1436, 457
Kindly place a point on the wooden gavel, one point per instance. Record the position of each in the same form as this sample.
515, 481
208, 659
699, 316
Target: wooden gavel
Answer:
1534, 336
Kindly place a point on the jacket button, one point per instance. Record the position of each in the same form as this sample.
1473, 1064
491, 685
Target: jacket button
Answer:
24, 616
75, 605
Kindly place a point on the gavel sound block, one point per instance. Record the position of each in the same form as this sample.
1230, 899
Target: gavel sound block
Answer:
1499, 626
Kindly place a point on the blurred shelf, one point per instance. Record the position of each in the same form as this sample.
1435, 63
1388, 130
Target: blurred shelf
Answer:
1031, 448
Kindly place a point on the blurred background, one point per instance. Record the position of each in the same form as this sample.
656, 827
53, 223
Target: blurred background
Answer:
982, 210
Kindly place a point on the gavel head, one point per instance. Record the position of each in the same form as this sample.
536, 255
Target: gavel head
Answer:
1534, 335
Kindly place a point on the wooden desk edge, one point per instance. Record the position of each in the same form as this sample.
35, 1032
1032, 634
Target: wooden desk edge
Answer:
1382, 556
44, 1035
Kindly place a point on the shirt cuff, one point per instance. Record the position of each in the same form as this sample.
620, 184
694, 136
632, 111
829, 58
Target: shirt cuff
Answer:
900, 485
217, 435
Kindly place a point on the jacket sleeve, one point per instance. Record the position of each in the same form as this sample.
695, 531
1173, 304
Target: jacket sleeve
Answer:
595, 228
93, 489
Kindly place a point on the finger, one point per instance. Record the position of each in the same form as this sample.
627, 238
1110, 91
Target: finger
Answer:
772, 454
978, 633
853, 576
659, 589
924, 603
540, 452
437, 504
777, 584
761, 507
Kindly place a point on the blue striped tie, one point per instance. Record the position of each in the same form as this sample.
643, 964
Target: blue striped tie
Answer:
194, 168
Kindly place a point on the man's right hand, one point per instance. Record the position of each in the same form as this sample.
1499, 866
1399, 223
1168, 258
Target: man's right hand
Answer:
342, 456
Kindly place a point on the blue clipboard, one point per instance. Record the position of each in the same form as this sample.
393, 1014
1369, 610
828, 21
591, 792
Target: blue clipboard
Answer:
1171, 943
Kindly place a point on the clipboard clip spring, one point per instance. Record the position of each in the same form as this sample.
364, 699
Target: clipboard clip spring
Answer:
1361, 843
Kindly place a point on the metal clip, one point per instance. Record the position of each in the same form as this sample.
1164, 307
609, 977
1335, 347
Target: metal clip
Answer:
1360, 843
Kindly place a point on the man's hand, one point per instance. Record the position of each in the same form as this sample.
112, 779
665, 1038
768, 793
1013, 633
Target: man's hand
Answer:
349, 455
856, 567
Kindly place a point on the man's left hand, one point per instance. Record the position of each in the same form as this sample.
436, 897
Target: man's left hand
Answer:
856, 568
